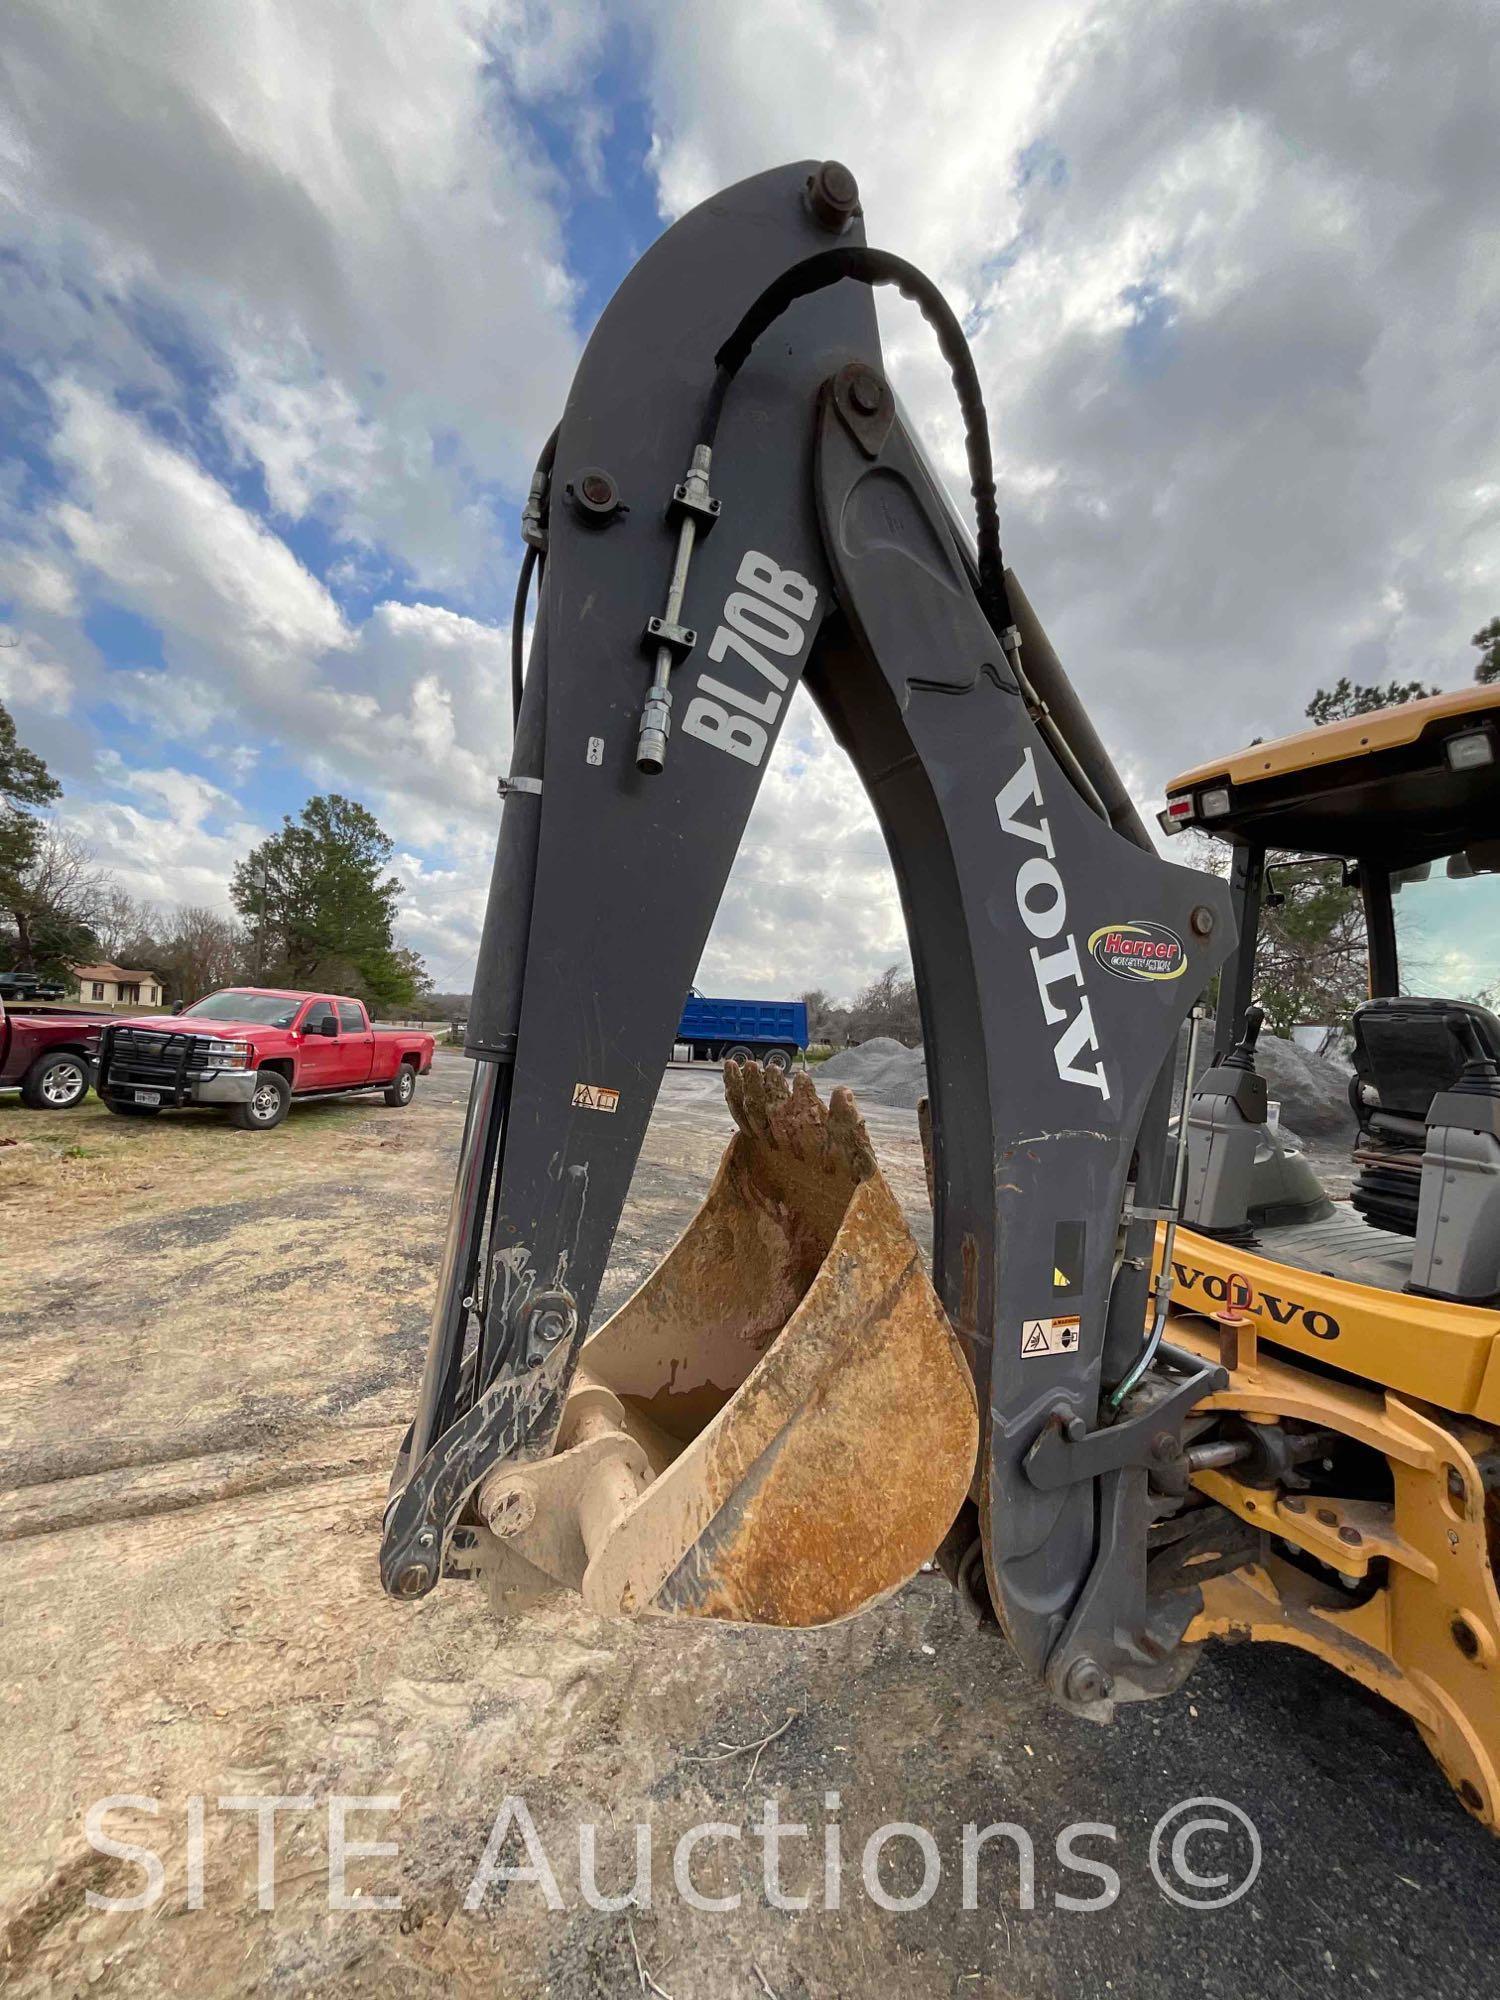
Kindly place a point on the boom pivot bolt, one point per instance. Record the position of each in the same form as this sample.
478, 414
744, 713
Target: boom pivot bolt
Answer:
595, 495
1086, 1681
865, 391
833, 195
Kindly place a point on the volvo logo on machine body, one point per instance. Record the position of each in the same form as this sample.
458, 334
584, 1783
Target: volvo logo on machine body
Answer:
1260, 1304
1042, 901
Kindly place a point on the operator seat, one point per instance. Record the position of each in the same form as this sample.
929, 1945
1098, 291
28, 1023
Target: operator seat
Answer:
1406, 1050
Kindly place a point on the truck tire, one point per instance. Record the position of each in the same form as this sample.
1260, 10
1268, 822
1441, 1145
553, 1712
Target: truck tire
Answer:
122, 1109
739, 1053
269, 1105
56, 1081
778, 1059
402, 1087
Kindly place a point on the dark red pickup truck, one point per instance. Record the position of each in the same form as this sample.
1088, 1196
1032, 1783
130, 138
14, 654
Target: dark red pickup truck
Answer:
48, 1057
251, 1050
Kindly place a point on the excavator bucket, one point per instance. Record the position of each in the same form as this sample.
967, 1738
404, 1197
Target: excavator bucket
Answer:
779, 1427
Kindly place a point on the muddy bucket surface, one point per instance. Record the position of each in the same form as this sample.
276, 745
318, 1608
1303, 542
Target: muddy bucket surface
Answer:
779, 1427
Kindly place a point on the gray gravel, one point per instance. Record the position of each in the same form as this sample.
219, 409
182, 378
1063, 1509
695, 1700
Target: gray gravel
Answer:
1312, 1090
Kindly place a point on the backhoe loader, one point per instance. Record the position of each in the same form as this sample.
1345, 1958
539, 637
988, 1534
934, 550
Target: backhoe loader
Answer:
1119, 1436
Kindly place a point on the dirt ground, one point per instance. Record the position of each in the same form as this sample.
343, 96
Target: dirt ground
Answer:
211, 1341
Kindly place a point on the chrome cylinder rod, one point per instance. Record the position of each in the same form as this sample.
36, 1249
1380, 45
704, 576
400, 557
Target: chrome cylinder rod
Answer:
488, 1090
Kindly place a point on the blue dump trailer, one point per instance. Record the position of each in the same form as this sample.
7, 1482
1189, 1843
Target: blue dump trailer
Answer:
769, 1031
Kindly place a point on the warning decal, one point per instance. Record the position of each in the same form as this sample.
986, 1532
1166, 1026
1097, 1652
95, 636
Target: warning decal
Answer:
595, 1097
1049, 1336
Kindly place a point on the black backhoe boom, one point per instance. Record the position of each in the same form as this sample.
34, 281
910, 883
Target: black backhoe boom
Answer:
733, 505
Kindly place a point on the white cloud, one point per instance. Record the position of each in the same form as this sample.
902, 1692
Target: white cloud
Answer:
252, 636
174, 546
168, 835
811, 900
349, 216
37, 583
30, 672
408, 711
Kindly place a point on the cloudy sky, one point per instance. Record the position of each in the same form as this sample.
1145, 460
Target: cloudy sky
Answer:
293, 292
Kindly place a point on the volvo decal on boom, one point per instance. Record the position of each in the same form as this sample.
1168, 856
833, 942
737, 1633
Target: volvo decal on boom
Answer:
1043, 903
1119, 1436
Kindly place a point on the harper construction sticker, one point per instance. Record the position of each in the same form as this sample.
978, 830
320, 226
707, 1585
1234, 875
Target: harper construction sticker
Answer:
1139, 951
1049, 1336
595, 1097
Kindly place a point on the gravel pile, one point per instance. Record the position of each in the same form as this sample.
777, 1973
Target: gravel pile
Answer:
880, 1071
1313, 1090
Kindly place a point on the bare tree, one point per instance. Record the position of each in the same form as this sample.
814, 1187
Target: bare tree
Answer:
826, 1020
125, 925
199, 950
192, 949
53, 900
887, 1006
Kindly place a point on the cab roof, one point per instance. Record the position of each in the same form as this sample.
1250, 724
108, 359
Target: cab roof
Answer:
1379, 784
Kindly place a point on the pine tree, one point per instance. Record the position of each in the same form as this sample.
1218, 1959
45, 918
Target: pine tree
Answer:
320, 908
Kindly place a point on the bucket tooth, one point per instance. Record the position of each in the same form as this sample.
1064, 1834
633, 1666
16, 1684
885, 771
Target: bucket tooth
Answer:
779, 1427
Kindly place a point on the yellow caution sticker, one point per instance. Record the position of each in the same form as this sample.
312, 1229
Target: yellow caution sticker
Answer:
595, 1097
1058, 1335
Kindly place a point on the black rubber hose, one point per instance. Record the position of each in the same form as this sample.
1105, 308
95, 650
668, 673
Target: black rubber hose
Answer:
880, 267
518, 633
541, 483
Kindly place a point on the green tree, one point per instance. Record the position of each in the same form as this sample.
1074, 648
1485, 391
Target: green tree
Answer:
1311, 949
48, 889
320, 909
25, 784
1487, 639
1346, 698
1312, 955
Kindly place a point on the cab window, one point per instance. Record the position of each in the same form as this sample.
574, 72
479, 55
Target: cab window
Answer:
319, 1012
1447, 917
350, 1018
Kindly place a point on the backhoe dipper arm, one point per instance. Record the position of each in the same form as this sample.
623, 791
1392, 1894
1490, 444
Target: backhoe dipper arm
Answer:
690, 582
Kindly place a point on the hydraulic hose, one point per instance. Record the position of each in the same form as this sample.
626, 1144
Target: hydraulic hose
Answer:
881, 267
1153, 1341
518, 633
534, 528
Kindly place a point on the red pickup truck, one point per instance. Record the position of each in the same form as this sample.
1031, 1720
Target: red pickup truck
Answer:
252, 1049
48, 1057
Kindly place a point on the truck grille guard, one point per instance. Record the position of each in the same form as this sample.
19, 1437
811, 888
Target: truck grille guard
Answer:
151, 1059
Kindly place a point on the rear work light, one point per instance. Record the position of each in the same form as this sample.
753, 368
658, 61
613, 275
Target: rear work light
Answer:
1176, 814
1214, 805
1470, 751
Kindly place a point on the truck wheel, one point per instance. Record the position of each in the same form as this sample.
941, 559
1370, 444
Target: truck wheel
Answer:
402, 1087
778, 1059
123, 1110
56, 1082
269, 1105
739, 1053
